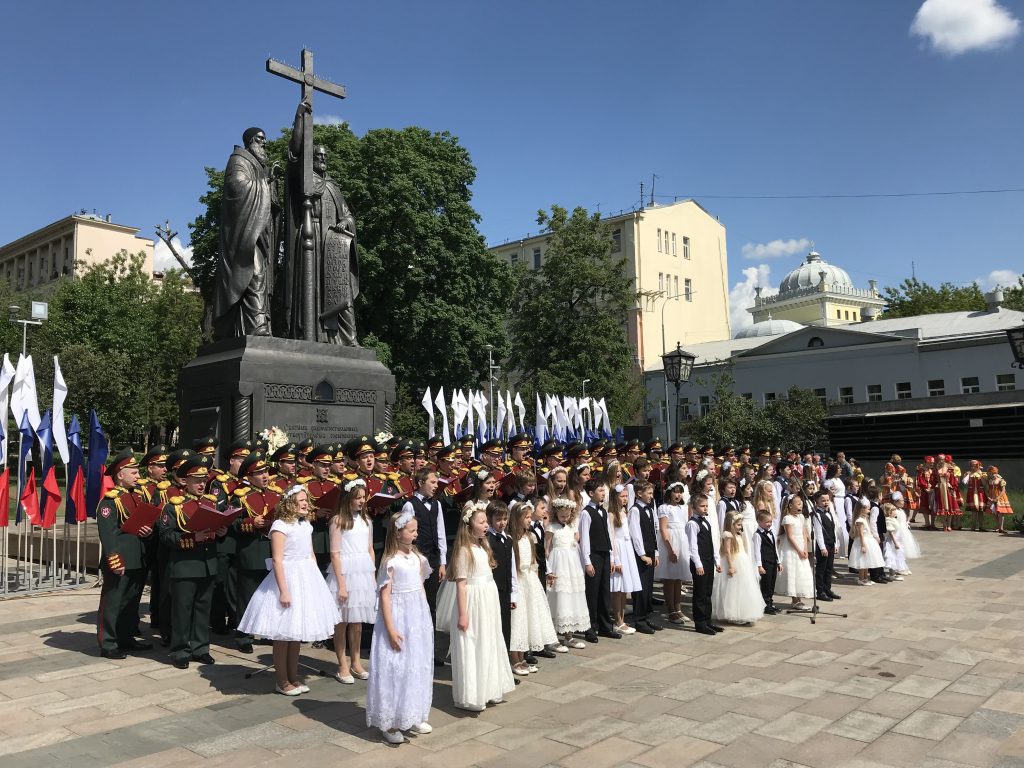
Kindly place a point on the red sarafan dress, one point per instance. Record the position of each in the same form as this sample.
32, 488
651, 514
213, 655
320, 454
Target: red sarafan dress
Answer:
975, 495
924, 487
945, 499
906, 487
995, 490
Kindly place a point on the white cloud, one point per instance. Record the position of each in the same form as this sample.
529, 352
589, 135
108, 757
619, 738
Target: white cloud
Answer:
163, 259
775, 248
742, 295
329, 120
958, 26
1003, 278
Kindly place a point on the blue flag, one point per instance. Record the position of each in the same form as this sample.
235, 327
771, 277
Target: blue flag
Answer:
97, 464
28, 437
75, 509
45, 436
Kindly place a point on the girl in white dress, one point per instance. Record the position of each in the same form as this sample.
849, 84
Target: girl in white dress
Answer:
351, 579
625, 578
911, 549
749, 516
567, 589
532, 628
796, 579
674, 566
865, 552
481, 674
292, 605
895, 559
736, 593
401, 687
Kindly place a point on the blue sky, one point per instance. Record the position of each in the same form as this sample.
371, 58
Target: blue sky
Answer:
119, 106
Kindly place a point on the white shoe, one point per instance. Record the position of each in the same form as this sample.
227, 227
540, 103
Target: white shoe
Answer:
303, 688
361, 675
422, 728
907, 572
290, 692
626, 629
520, 669
896, 577
345, 679
496, 701
559, 648
470, 707
577, 643
864, 582
533, 668
392, 737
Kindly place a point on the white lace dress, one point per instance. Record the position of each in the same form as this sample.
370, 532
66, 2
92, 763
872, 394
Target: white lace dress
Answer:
679, 570
628, 580
796, 579
313, 611
401, 685
871, 557
567, 599
481, 672
357, 568
532, 628
737, 598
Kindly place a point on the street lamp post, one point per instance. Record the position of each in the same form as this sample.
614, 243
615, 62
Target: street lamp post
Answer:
491, 368
678, 365
585, 382
668, 421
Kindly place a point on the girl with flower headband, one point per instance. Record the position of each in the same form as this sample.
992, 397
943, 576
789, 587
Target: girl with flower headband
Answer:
481, 673
293, 604
567, 596
401, 687
674, 567
531, 626
350, 578
485, 485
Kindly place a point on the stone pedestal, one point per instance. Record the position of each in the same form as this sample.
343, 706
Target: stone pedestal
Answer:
237, 387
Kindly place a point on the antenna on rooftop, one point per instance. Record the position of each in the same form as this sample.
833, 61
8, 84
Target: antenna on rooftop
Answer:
653, 177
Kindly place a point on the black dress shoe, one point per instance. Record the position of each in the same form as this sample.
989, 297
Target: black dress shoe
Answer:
834, 596
515, 680
716, 628
771, 610
204, 659
113, 653
245, 647
612, 633
704, 629
590, 637
545, 653
822, 597
643, 629
181, 663
529, 658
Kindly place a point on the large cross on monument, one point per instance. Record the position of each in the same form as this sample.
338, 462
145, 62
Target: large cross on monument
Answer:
309, 83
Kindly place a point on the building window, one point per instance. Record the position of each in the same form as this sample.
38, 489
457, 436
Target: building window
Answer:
674, 244
688, 289
839, 314
666, 241
616, 240
514, 257
820, 394
536, 258
969, 385
659, 240
769, 397
903, 390
846, 314
686, 247
874, 393
936, 387
662, 412
661, 282
675, 282
684, 409
846, 395
815, 341
1006, 382
747, 395
705, 405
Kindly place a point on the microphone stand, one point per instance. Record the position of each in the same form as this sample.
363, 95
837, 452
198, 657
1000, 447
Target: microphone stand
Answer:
814, 611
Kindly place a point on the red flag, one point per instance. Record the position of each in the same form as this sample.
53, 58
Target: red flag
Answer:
5, 497
53, 498
30, 499
76, 495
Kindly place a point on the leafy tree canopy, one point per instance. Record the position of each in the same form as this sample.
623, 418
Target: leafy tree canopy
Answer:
913, 297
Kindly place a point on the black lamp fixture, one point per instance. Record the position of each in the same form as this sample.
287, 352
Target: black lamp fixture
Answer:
678, 365
1016, 337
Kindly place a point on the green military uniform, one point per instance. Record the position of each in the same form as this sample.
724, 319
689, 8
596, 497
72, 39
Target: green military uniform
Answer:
118, 614
225, 611
151, 491
192, 568
252, 545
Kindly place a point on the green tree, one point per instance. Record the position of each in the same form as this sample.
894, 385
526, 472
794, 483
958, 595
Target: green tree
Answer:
567, 320
431, 296
797, 421
913, 297
1013, 297
732, 419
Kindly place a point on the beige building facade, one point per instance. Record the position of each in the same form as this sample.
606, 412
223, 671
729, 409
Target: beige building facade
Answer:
66, 248
676, 255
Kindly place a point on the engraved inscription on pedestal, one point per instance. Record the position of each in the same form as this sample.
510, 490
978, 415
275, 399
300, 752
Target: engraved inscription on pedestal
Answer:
305, 410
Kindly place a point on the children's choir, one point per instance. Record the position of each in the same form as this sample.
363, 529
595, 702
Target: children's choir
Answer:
545, 556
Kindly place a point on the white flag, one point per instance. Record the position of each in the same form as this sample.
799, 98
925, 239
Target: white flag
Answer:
510, 414
458, 413
604, 417
428, 403
446, 436
23, 396
481, 411
585, 412
540, 421
6, 376
521, 409
60, 392
595, 414
469, 401
500, 421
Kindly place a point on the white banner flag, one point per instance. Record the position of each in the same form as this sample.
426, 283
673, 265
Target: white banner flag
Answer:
60, 392
521, 410
500, 421
540, 421
428, 404
445, 435
6, 376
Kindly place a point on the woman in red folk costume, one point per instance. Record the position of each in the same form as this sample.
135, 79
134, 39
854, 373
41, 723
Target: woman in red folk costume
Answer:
945, 496
998, 501
974, 495
925, 482
906, 486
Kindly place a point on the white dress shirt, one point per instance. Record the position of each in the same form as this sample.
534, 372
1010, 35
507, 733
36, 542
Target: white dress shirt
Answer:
585, 523
692, 526
637, 535
442, 538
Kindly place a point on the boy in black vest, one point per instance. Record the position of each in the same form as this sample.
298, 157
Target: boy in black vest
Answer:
595, 555
766, 558
703, 563
504, 570
643, 532
824, 546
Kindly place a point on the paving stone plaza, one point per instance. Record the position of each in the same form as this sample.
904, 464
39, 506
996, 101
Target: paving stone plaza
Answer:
928, 673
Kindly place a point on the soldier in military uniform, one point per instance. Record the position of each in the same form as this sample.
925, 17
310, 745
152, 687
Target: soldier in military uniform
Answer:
304, 468
192, 567
490, 458
123, 561
466, 445
175, 487
518, 449
403, 458
285, 477
339, 467
316, 486
249, 532
434, 444
206, 446
152, 488
225, 613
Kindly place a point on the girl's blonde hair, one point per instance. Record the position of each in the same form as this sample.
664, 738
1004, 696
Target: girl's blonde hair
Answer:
287, 510
731, 544
763, 495
517, 530
610, 473
573, 506
889, 510
343, 518
458, 563
391, 539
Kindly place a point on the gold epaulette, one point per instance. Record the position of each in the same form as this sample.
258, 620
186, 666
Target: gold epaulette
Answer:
351, 476
243, 490
163, 485
113, 493
177, 500
394, 476
303, 480
223, 478
210, 496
